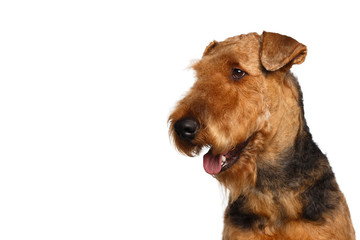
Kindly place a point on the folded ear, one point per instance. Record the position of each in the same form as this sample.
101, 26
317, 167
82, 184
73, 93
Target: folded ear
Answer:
278, 51
209, 47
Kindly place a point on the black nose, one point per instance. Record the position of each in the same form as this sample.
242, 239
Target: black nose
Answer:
186, 128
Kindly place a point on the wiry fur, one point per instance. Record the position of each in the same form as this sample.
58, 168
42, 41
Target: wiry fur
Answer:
282, 186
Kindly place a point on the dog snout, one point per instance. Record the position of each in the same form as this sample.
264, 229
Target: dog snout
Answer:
186, 128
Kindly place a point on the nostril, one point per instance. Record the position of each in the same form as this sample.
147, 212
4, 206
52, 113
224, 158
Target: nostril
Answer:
186, 128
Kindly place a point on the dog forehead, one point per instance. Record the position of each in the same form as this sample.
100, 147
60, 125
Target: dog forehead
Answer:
244, 39
239, 51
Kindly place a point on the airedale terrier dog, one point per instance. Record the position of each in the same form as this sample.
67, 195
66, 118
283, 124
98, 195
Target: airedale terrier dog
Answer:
247, 108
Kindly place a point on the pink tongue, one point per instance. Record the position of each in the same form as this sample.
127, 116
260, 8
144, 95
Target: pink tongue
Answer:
212, 164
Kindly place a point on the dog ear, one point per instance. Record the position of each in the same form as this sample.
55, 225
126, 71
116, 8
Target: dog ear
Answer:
278, 51
212, 45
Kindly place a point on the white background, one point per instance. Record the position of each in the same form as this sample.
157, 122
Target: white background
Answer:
85, 91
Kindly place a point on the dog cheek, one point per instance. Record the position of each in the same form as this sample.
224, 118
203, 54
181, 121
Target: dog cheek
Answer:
250, 119
263, 121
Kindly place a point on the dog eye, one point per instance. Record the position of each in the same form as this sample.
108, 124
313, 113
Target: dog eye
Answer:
237, 74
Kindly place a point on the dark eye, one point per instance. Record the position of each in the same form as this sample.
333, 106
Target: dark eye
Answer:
237, 74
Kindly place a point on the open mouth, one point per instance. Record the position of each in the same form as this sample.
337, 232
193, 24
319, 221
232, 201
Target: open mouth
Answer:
214, 164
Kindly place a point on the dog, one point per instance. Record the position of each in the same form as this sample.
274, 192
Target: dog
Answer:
246, 107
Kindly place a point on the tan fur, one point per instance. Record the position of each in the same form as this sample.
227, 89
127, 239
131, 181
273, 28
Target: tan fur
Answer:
263, 108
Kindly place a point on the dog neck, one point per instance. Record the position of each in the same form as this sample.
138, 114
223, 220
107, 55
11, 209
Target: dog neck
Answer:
285, 121
275, 198
286, 118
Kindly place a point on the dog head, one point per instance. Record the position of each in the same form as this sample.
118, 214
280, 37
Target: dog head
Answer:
230, 107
